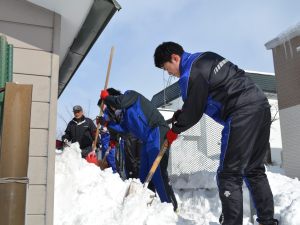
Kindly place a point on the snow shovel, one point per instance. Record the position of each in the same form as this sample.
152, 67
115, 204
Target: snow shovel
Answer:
134, 186
94, 146
103, 164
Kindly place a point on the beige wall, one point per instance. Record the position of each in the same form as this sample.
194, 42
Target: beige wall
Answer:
290, 132
287, 70
34, 32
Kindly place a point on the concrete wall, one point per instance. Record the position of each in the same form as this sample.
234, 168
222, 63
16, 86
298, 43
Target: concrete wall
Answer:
35, 32
287, 70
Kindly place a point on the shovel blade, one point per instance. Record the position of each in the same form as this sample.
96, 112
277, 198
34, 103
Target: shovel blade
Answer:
134, 187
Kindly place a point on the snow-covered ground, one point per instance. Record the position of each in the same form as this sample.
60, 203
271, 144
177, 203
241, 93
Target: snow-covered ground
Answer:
85, 195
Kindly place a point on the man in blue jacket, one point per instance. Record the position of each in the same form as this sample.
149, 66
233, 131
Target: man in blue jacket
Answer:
108, 148
213, 85
132, 113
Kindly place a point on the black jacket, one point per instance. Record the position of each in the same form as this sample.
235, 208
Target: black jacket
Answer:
213, 85
82, 131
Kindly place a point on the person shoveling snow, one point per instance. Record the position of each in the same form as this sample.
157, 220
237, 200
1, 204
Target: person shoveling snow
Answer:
132, 113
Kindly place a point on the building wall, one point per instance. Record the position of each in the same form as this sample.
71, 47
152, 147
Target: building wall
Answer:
290, 130
287, 70
34, 32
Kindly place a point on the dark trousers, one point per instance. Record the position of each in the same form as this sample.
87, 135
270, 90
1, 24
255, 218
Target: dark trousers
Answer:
245, 140
132, 147
160, 181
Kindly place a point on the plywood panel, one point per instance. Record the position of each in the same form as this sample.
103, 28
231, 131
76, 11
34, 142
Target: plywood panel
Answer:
41, 86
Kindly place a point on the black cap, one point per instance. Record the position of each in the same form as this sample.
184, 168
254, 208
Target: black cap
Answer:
77, 108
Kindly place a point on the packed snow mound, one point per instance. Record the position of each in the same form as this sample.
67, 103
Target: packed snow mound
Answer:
286, 192
85, 195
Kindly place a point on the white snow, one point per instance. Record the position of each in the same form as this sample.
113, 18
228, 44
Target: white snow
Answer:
285, 36
85, 195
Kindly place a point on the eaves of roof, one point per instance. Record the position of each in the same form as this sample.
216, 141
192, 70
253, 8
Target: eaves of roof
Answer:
98, 17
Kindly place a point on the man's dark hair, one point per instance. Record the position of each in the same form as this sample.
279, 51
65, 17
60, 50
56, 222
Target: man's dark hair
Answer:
164, 51
113, 92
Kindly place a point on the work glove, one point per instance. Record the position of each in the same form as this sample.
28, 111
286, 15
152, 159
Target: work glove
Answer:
104, 94
171, 136
101, 120
92, 158
175, 115
112, 143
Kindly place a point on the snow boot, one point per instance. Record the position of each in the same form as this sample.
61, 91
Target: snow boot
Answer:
273, 222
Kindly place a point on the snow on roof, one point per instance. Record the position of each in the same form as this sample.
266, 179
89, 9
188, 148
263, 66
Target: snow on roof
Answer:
285, 36
261, 73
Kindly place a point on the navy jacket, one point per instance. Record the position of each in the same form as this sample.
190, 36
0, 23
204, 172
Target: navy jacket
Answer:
139, 116
213, 85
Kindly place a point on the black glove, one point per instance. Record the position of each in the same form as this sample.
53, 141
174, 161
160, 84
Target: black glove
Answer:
175, 115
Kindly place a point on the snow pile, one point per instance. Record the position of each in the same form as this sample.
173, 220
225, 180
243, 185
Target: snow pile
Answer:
85, 195
286, 193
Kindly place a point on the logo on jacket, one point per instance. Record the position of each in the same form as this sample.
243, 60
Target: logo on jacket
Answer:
220, 65
227, 194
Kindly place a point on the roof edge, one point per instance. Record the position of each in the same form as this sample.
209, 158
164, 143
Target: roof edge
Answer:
98, 17
284, 36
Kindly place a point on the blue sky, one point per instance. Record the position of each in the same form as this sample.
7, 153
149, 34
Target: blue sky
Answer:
235, 29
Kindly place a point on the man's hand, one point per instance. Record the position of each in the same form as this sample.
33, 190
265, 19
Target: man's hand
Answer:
66, 142
104, 94
171, 136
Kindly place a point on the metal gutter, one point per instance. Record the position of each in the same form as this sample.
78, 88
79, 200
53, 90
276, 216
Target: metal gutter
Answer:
100, 14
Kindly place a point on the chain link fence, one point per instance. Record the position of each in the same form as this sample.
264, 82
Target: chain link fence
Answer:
197, 149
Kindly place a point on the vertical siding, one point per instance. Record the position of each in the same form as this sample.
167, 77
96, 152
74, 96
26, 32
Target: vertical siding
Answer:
34, 32
290, 131
287, 70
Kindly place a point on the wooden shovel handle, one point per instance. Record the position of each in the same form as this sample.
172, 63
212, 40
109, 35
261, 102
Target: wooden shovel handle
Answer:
105, 87
156, 162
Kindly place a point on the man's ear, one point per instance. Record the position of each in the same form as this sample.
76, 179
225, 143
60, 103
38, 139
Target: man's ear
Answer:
175, 58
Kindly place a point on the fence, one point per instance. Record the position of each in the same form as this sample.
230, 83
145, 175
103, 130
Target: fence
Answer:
6, 69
